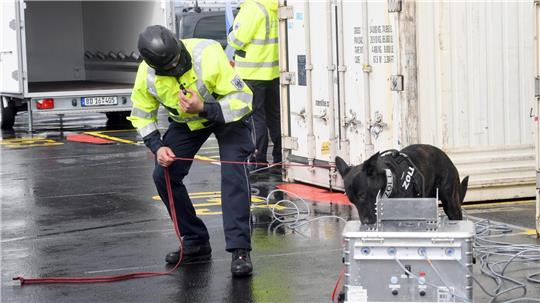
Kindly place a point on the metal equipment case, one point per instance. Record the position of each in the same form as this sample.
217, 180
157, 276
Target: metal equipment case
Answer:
439, 263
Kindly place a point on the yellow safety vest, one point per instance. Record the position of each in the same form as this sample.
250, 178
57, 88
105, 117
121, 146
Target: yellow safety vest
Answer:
255, 37
211, 74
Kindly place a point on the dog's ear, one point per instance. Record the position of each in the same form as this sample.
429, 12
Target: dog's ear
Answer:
342, 166
370, 165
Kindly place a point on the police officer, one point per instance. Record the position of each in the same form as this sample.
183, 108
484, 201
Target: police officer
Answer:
194, 81
254, 36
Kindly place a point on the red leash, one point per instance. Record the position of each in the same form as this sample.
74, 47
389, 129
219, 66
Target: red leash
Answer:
252, 163
122, 277
341, 273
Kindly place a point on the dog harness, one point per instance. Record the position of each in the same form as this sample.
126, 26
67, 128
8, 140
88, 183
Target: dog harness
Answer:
403, 179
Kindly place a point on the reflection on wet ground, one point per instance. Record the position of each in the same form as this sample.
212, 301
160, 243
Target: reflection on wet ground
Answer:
78, 209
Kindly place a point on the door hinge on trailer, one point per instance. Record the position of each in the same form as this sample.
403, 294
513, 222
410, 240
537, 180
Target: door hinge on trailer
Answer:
396, 83
287, 78
290, 143
285, 12
394, 6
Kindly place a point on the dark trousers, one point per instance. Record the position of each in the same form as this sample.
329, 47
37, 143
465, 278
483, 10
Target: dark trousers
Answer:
235, 144
266, 115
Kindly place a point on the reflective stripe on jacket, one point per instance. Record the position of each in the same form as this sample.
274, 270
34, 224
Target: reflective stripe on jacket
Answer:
255, 37
211, 75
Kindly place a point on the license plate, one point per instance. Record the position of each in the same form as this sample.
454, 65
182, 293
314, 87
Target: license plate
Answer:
99, 101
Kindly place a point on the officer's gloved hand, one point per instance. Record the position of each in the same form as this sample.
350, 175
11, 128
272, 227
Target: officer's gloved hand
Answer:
165, 156
190, 102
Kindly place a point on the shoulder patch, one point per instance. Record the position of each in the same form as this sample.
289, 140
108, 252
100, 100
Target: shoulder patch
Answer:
237, 82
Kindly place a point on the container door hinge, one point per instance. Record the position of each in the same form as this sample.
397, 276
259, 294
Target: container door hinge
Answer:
290, 143
537, 179
394, 6
396, 83
287, 78
285, 12
537, 87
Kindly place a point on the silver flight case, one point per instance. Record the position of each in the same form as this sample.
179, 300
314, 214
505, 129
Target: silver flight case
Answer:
417, 259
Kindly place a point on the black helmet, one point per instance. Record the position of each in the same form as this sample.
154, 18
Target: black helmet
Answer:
163, 52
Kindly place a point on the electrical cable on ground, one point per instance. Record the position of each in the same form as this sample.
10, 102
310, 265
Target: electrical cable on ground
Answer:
496, 256
290, 214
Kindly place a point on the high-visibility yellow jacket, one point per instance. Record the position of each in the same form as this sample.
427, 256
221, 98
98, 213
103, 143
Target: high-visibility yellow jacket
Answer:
255, 38
227, 98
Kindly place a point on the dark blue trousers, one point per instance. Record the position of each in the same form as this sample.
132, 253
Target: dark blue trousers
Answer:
236, 143
266, 115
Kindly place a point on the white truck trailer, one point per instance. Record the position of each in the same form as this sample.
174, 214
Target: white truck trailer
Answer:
60, 57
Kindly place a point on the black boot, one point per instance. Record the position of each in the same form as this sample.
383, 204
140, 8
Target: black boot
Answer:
191, 254
241, 263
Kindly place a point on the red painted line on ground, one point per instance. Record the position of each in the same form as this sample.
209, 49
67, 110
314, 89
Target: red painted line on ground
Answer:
316, 194
87, 139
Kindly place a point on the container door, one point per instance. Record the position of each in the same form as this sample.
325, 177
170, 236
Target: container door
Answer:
354, 134
10, 48
322, 93
370, 108
386, 80
313, 121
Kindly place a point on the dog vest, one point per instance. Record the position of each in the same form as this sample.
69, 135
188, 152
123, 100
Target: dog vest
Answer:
403, 179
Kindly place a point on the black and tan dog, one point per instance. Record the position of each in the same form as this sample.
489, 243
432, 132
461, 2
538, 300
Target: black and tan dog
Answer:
416, 171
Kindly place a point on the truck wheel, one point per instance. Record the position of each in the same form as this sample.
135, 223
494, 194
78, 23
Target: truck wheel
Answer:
8, 113
118, 117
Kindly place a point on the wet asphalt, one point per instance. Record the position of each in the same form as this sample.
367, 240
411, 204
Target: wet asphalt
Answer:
80, 209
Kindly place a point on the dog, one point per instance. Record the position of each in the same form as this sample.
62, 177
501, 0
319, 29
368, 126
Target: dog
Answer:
418, 170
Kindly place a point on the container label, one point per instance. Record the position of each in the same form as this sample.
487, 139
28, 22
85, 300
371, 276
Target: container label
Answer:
381, 44
301, 60
322, 103
325, 148
358, 44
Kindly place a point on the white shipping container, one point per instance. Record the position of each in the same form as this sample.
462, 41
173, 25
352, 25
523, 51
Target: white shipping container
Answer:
363, 76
